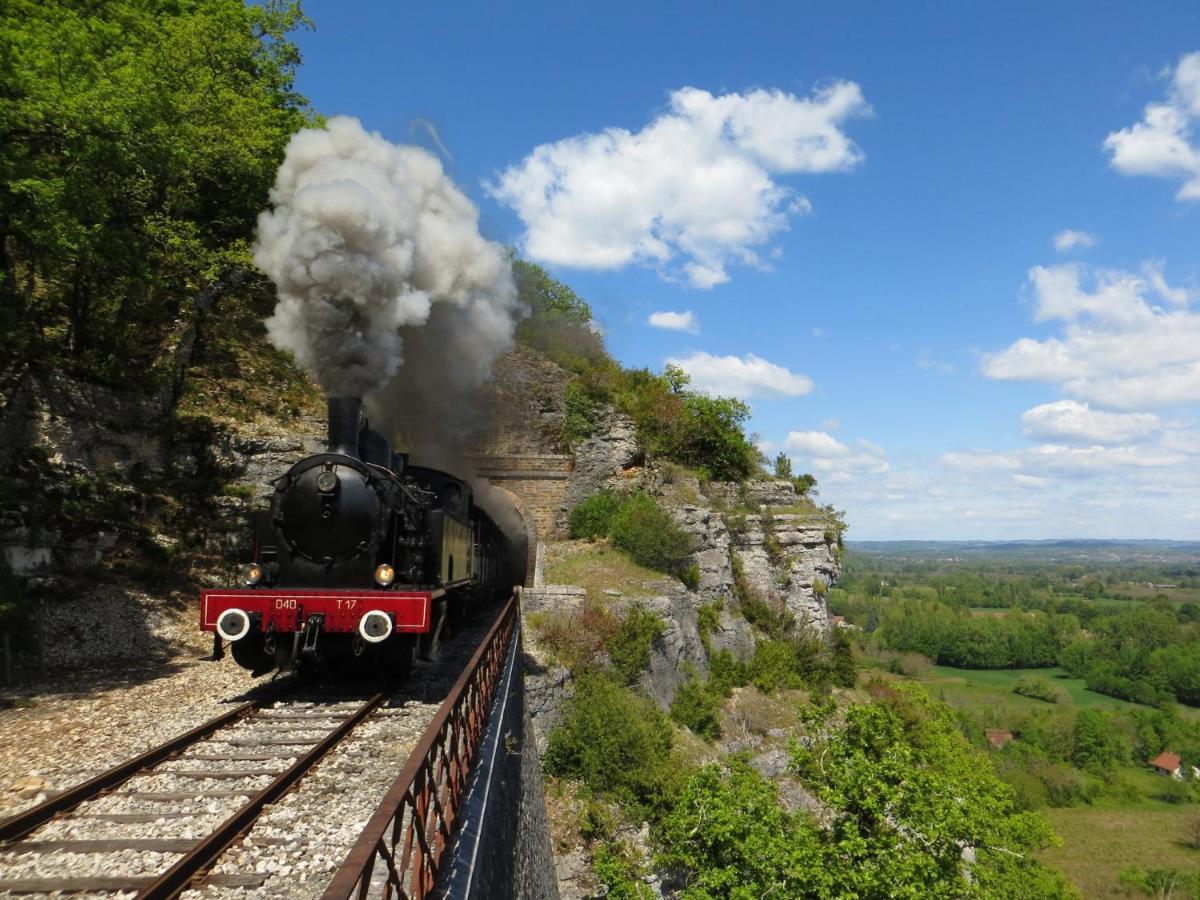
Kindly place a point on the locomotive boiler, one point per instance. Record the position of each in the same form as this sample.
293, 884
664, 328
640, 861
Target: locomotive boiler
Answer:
361, 561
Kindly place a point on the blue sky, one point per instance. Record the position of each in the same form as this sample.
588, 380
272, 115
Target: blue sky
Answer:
913, 165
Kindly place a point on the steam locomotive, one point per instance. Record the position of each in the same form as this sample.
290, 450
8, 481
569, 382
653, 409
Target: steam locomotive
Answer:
360, 562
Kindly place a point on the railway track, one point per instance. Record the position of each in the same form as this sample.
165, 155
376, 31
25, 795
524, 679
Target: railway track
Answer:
204, 789
237, 804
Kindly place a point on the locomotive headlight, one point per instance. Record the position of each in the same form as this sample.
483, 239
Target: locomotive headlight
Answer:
233, 624
251, 574
385, 575
326, 482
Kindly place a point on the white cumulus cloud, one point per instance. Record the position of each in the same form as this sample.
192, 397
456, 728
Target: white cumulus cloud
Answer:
1071, 421
1128, 339
742, 376
833, 461
1069, 239
1163, 142
815, 443
675, 321
691, 193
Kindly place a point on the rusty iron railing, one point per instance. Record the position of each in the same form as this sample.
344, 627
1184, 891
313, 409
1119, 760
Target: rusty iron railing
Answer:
412, 826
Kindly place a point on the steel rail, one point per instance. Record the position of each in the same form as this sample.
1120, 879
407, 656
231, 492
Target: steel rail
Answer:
23, 823
179, 877
412, 826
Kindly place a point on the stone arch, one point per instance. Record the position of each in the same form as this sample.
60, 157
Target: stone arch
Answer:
527, 521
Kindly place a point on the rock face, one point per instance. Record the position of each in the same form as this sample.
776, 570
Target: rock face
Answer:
88, 425
609, 460
786, 558
523, 406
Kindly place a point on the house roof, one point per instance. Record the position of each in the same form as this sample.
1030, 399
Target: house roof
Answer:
1166, 760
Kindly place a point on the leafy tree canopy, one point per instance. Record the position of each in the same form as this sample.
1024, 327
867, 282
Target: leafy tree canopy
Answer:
140, 140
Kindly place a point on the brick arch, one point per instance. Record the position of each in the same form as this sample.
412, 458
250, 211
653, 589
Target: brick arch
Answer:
536, 483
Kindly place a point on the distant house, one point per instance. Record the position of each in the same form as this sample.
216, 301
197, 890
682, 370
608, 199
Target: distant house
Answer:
998, 737
1167, 764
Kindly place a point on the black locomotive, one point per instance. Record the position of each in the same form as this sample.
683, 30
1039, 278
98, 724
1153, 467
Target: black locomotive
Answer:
361, 560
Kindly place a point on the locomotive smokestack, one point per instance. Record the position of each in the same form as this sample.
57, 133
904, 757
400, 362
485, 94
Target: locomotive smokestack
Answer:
345, 424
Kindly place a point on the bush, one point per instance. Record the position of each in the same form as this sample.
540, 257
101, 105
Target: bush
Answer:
650, 536
725, 673
630, 645
593, 517
774, 666
1039, 689
618, 873
581, 413
1175, 791
576, 638
617, 743
690, 576
697, 705
843, 667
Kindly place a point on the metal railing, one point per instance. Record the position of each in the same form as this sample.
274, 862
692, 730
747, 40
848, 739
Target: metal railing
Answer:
412, 826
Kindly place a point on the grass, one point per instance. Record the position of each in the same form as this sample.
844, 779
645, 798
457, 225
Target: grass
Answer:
990, 681
1099, 843
599, 567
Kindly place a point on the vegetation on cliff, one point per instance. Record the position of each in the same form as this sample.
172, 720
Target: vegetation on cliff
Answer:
674, 423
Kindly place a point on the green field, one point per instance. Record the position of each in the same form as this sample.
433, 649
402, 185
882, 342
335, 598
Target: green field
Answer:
1099, 843
974, 682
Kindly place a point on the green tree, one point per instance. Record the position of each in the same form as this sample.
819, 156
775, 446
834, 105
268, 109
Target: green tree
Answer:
617, 743
140, 141
783, 466
905, 795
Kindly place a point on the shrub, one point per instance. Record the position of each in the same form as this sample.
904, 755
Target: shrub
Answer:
770, 540
1039, 689
593, 517
697, 705
1174, 791
774, 666
630, 644
650, 536
843, 667
913, 665
708, 620
619, 874
690, 576
725, 672
617, 743
576, 638
581, 413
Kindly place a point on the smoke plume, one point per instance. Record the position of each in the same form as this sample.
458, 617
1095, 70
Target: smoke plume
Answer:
386, 288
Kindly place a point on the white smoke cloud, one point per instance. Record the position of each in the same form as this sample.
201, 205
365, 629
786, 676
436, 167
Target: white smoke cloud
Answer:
382, 275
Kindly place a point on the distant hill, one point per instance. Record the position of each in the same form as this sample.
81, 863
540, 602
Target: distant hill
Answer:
1064, 550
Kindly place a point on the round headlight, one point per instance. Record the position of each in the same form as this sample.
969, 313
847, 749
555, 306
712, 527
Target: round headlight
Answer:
233, 624
251, 574
385, 575
327, 481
